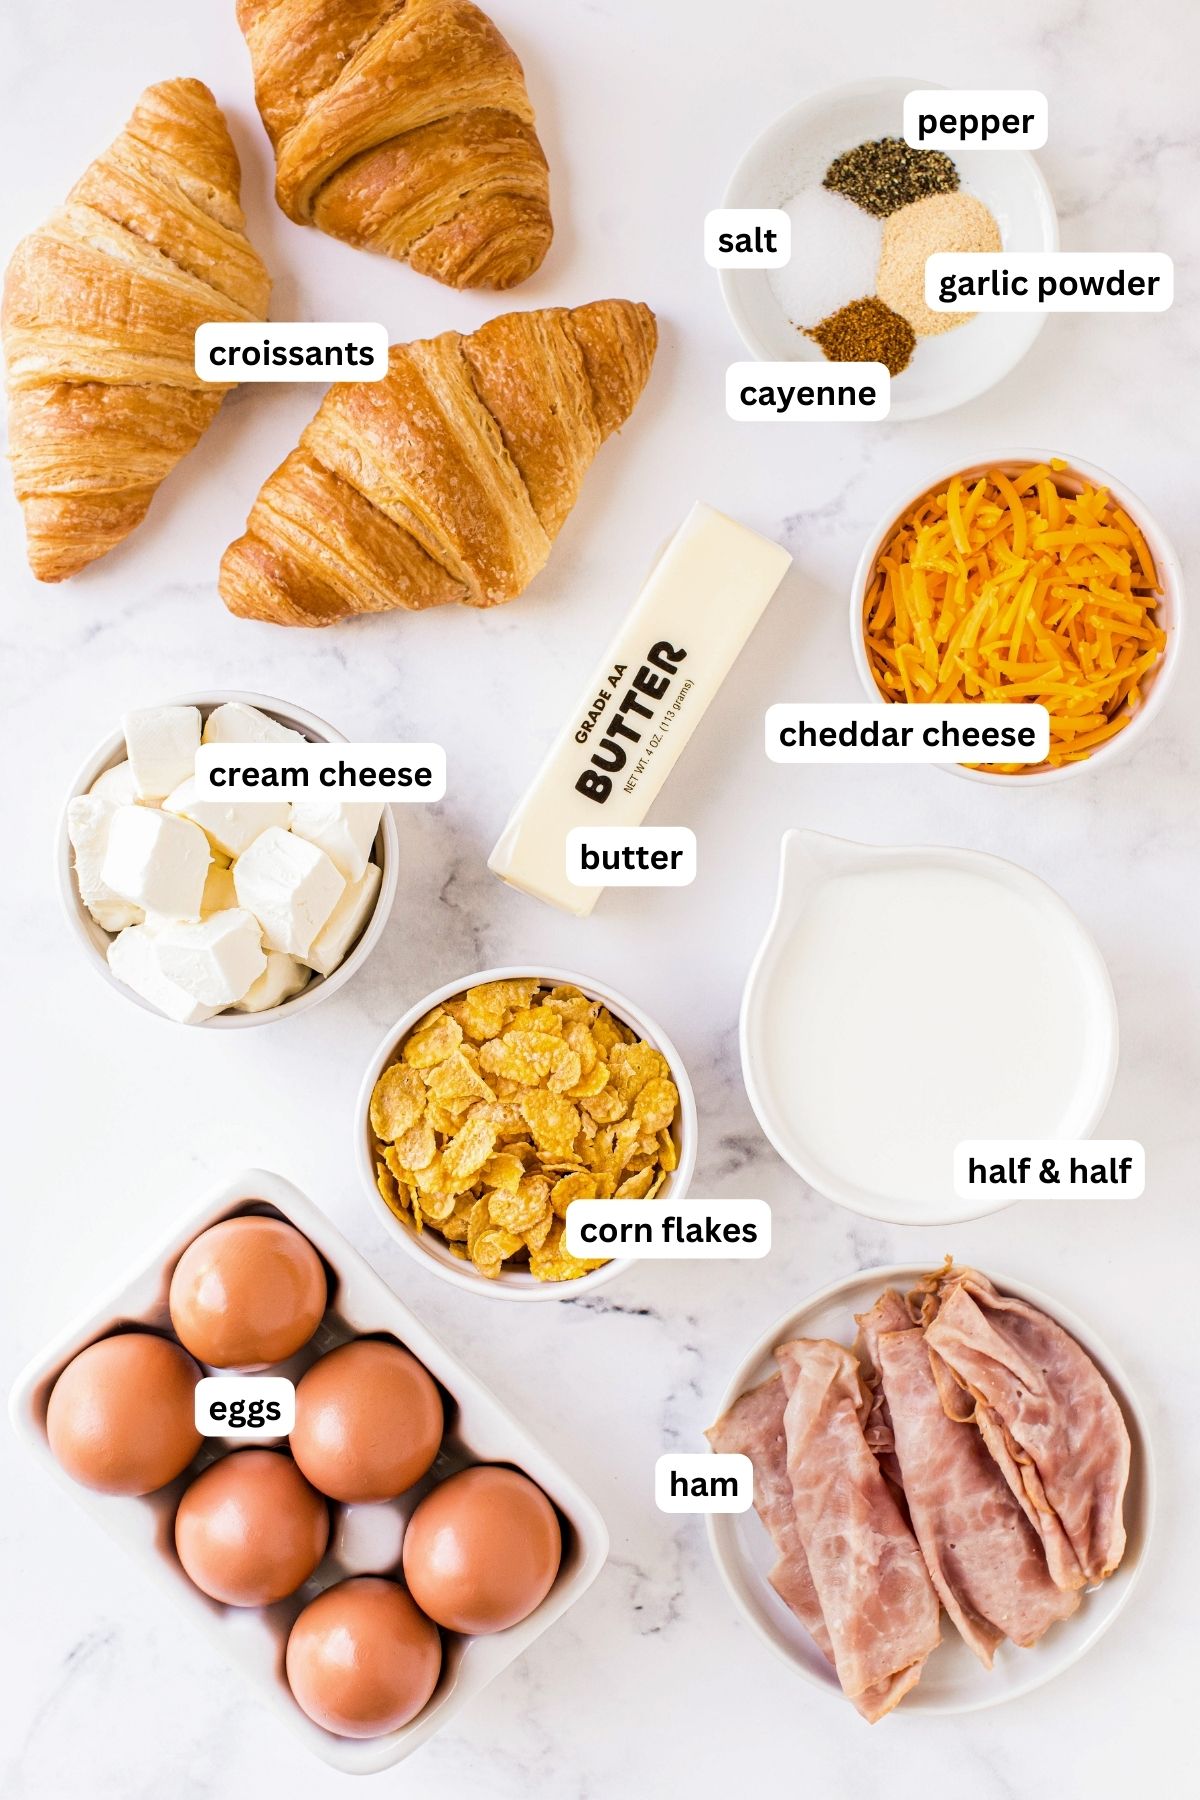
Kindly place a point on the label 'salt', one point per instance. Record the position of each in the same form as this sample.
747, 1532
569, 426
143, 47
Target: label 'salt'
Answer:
747, 237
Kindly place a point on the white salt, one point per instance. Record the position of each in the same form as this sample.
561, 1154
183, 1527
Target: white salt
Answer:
835, 253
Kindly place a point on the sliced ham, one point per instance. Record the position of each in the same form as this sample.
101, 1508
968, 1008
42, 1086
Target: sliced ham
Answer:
878, 1604
984, 1558
753, 1427
1045, 1413
889, 1313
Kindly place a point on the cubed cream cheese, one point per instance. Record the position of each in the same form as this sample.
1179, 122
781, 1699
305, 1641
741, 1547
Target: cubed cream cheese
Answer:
230, 828
216, 960
133, 959
156, 861
343, 829
282, 978
290, 886
237, 723
116, 785
162, 742
345, 922
88, 818
219, 892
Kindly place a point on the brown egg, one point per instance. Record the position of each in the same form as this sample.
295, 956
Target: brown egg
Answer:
250, 1530
482, 1550
361, 1659
368, 1421
247, 1292
121, 1417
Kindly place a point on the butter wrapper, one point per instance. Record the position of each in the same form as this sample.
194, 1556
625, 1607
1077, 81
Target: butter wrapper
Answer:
657, 678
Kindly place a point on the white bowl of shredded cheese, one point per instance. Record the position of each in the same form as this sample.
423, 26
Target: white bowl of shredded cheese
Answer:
1071, 475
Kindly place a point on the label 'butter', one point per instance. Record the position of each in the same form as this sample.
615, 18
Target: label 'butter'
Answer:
700, 603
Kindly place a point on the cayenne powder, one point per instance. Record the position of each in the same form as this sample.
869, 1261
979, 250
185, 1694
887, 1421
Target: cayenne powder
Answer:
866, 331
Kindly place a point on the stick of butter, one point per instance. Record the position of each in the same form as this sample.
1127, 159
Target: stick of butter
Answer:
700, 603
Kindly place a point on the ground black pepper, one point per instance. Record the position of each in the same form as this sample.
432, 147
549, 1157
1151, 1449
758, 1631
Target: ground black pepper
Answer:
886, 174
866, 331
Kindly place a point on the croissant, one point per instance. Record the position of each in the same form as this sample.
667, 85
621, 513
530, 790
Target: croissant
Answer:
405, 129
100, 311
447, 480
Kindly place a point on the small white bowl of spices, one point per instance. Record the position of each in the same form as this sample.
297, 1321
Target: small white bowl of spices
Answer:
866, 210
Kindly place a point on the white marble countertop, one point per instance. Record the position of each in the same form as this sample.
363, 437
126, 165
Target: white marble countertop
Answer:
116, 1122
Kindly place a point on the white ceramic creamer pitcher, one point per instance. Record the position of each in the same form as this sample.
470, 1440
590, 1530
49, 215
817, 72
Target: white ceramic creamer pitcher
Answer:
906, 999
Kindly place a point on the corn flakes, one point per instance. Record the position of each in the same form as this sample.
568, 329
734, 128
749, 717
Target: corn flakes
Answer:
468, 1150
505, 1169
579, 1186
655, 1107
385, 1181
536, 1237
524, 1210
417, 1148
456, 1079
431, 1045
636, 1187
397, 1103
553, 1121
491, 1250
507, 1103
552, 1261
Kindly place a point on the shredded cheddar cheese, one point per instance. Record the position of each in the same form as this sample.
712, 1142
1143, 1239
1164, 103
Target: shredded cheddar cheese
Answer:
1015, 586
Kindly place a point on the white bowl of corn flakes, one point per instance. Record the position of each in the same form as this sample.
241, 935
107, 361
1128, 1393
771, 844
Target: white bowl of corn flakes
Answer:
501, 1098
1034, 577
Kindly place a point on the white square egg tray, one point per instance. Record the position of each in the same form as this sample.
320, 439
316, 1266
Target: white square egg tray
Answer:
478, 1430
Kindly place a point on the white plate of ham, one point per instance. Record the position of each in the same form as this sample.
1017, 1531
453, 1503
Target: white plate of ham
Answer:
953, 1489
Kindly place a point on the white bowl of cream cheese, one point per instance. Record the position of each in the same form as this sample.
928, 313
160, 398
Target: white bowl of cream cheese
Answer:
906, 999
96, 940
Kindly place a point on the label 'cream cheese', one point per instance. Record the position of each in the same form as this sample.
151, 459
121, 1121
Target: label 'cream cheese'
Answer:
700, 603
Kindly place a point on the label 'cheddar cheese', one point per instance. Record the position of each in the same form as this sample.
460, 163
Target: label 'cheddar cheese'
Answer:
700, 603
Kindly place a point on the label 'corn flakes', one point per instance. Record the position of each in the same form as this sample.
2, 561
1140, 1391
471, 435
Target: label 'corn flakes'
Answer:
504, 1105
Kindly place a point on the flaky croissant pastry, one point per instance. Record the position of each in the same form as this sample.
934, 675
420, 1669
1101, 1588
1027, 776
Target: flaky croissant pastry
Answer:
404, 128
101, 306
447, 480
